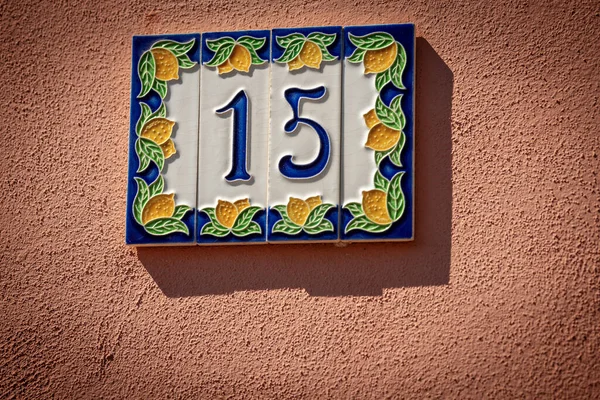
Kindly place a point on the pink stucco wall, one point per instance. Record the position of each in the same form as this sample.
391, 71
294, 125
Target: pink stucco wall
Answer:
498, 296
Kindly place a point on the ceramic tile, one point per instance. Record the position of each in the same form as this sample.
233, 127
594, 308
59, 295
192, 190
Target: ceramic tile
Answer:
163, 137
233, 144
378, 146
305, 134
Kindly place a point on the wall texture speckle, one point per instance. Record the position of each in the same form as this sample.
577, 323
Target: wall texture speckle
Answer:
498, 296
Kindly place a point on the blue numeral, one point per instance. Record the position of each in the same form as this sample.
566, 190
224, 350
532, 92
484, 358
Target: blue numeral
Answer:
305, 171
239, 105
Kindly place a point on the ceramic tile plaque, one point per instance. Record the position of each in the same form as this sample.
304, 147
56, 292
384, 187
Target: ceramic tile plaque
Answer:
233, 145
291, 135
378, 145
305, 134
163, 140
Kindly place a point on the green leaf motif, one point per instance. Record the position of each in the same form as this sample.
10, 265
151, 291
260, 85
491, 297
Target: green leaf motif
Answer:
385, 114
210, 211
165, 226
145, 113
180, 211
215, 44
281, 227
380, 182
324, 226
244, 218
380, 155
395, 198
326, 39
255, 59
157, 186
221, 55
184, 61
250, 229
282, 210
363, 223
382, 79
327, 56
284, 41
292, 50
146, 71
143, 158
316, 215
372, 41
212, 229
397, 68
160, 87
150, 150
396, 107
175, 47
252, 42
161, 112
355, 209
358, 56
141, 198
396, 154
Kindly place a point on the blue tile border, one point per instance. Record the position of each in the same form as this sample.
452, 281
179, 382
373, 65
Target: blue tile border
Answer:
134, 233
402, 229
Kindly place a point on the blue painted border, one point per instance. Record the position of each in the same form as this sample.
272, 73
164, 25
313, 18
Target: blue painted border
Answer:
135, 233
335, 48
402, 229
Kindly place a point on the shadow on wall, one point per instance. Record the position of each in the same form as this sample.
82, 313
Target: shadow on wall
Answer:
357, 269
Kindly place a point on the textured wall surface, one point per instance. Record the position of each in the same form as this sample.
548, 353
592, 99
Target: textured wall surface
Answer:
497, 297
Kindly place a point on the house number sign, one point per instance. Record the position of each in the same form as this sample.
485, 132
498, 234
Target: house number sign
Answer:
272, 136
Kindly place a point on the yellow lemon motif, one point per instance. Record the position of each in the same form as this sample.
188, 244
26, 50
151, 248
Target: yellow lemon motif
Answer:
382, 138
226, 213
295, 64
240, 58
159, 206
379, 60
158, 130
168, 148
375, 206
297, 210
371, 118
311, 55
167, 67
242, 204
225, 67
313, 202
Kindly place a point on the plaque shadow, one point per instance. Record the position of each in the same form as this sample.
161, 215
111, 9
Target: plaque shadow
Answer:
357, 269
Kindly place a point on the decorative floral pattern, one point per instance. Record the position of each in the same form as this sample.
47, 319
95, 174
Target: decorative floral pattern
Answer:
152, 209
307, 51
303, 215
161, 63
235, 218
384, 205
231, 54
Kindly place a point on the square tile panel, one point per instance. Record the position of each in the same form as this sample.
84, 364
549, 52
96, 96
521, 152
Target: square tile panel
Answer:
163, 140
305, 134
233, 143
378, 145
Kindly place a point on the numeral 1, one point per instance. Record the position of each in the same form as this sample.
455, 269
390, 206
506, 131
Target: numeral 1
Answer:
239, 159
